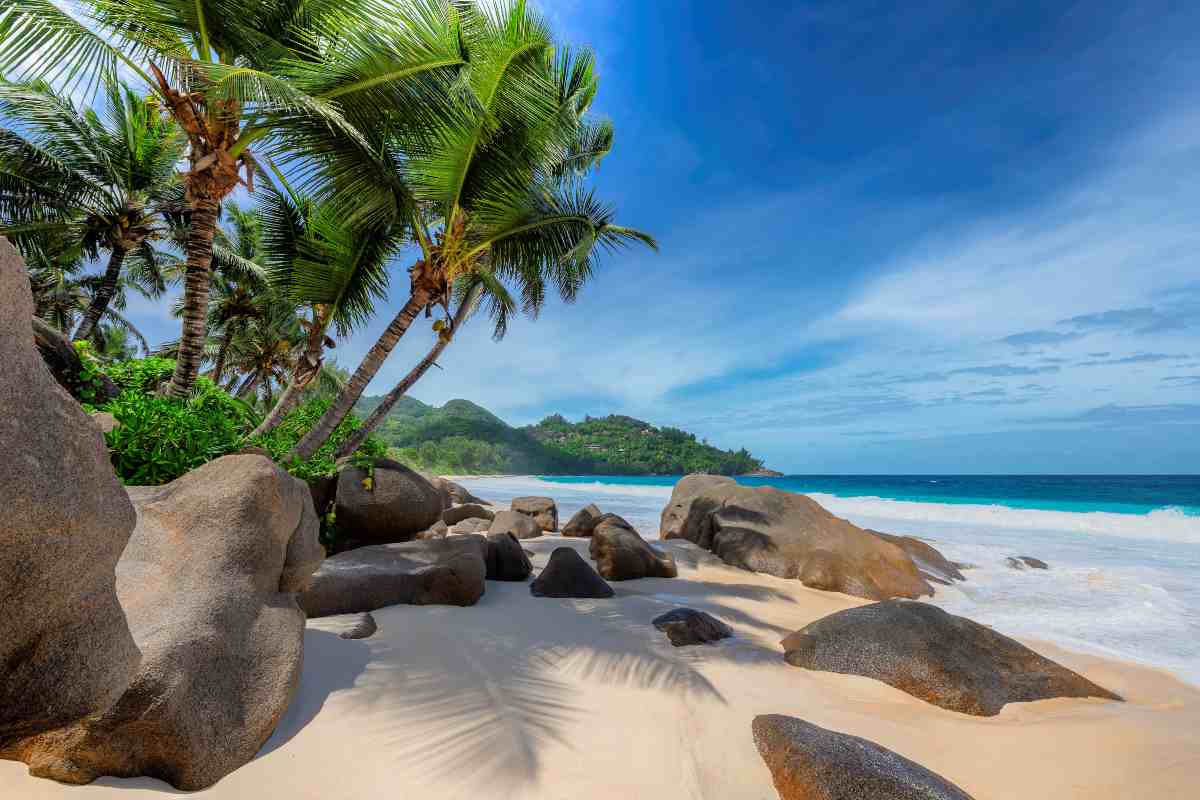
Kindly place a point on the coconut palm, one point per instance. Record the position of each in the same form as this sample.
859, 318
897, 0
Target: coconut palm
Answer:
298, 75
238, 283
491, 184
95, 180
63, 292
333, 269
263, 353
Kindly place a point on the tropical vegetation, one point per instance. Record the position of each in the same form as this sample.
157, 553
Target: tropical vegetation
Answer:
464, 438
452, 138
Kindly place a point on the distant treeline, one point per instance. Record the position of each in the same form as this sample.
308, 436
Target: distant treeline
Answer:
461, 437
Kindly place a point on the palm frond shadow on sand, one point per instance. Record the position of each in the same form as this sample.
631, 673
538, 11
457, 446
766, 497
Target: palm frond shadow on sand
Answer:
477, 702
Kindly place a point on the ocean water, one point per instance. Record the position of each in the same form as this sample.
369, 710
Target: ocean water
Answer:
1124, 551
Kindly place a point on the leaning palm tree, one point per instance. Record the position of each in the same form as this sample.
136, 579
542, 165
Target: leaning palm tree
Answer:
96, 180
269, 73
333, 269
487, 185
264, 352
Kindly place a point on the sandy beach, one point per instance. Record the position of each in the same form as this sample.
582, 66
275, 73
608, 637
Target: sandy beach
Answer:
521, 697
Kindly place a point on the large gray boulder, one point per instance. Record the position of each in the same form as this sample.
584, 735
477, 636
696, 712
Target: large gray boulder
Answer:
812, 763
448, 571
65, 647
207, 583
583, 522
621, 554
788, 535
542, 510
391, 504
946, 660
516, 523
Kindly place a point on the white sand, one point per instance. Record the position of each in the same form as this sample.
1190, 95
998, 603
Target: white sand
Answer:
522, 697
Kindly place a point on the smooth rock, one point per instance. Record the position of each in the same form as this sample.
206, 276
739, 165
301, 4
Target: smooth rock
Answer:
949, 661
65, 647
448, 571
686, 626
471, 526
812, 763
506, 559
364, 627
567, 575
789, 536
457, 514
438, 530
393, 504
583, 522
1021, 562
105, 421
207, 585
542, 509
932, 564
622, 555
516, 523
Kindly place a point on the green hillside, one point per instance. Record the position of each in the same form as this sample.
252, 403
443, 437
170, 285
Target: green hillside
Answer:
462, 437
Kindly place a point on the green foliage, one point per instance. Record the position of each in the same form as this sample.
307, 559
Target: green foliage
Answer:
140, 375
462, 438
160, 438
627, 445
91, 376
283, 438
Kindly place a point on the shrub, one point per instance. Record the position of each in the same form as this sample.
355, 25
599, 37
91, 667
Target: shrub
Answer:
160, 438
141, 375
91, 390
300, 421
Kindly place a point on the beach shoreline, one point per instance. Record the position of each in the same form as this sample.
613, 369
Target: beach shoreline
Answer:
520, 696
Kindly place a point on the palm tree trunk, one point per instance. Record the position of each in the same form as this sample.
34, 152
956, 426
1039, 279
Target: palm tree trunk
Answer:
308, 367
195, 296
366, 371
415, 374
247, 388
105, 292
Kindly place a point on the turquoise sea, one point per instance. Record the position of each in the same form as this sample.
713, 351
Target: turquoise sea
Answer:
1124, 551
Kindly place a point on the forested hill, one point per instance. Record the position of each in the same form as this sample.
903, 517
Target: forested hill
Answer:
462, 437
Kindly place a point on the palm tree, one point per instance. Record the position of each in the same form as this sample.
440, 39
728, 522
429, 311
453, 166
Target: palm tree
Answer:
63, 293
334, 269
264, 352
298, 74
96, 181
238, 283
492, 179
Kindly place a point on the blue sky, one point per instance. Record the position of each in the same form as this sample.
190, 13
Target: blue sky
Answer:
935, 237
